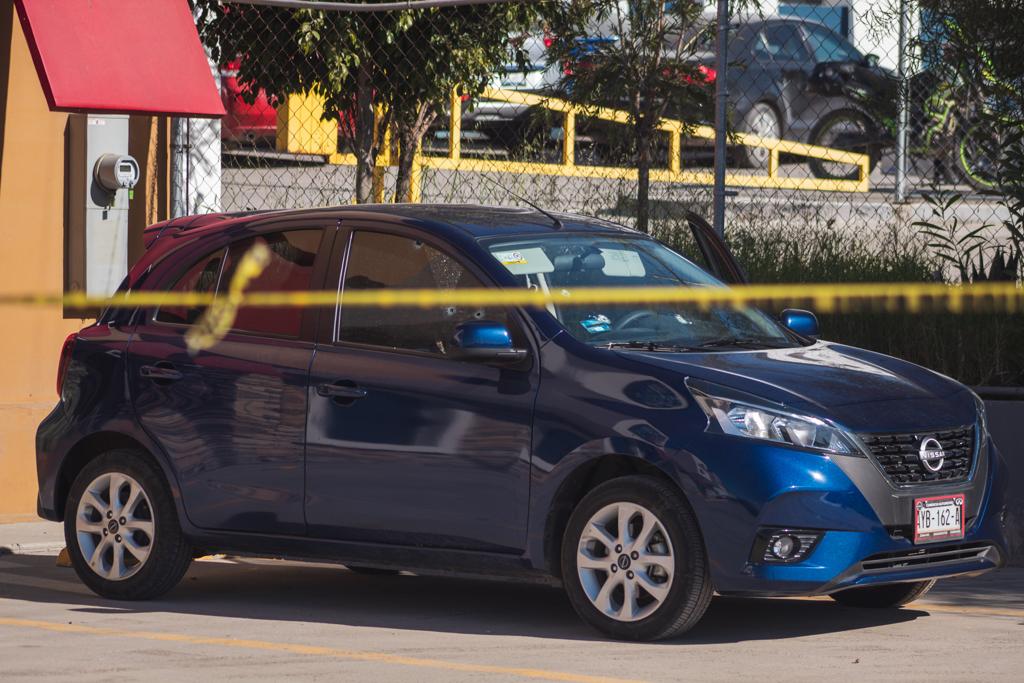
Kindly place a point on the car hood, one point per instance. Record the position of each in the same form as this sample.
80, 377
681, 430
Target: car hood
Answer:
862, 390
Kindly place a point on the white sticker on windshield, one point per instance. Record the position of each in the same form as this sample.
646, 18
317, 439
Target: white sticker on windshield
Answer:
512, 258
622, 263
528, 261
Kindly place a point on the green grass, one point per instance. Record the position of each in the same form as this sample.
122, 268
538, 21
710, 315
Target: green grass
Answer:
815, 254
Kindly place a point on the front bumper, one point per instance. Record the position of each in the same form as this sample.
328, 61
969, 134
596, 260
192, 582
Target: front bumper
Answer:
864, 525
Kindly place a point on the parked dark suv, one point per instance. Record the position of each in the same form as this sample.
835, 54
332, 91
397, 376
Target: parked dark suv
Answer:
770, 79
645, 454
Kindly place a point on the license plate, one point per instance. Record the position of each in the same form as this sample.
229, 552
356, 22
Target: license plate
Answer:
939, 518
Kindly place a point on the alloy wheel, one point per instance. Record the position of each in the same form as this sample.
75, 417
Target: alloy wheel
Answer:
625, 561
762, 121
114, 526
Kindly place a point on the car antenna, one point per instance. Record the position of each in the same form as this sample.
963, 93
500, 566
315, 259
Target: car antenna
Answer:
557, 224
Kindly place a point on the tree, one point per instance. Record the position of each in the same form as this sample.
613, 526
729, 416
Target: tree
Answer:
400, 64
979, 40
457, 48
985, 38
648, 69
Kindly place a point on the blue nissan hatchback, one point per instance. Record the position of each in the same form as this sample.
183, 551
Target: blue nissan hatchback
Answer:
645, 455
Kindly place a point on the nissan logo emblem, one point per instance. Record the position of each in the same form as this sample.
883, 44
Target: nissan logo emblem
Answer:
931, 454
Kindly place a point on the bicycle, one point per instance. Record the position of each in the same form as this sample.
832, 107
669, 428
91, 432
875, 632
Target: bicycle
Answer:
949, 121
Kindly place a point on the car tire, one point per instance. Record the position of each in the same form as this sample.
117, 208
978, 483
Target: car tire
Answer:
762, 120
121, 528
881, 597
663, 550
823, 134
976, 155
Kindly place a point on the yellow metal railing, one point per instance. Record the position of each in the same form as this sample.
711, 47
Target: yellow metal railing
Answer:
454, 161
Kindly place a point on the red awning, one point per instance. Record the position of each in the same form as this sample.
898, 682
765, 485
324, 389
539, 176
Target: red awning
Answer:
124, 56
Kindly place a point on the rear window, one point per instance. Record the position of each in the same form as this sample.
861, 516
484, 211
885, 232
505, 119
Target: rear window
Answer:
202, 278
292, 255
290, 269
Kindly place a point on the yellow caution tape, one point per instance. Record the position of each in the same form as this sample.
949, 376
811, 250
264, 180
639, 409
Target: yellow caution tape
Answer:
998, 297
221, 309
220, 316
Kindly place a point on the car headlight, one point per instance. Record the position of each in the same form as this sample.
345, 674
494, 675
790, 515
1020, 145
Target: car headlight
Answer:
772, 423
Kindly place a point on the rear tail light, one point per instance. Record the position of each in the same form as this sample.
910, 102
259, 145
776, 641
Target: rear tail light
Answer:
65, 357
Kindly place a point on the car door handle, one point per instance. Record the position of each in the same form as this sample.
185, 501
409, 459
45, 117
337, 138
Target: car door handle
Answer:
161, 373
341, 390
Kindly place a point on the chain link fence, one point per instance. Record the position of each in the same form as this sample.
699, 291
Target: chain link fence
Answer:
603, 107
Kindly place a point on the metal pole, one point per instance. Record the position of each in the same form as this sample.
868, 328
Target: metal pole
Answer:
721, 109
179, 167
903, 117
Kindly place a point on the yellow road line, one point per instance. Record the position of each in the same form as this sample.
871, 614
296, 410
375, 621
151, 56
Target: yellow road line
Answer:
309, 650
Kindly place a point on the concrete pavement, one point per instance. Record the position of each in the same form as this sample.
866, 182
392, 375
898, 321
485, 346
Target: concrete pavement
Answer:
267, 619
28, 538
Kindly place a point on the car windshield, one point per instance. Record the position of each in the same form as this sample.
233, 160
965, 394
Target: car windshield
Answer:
829, 47
561, 263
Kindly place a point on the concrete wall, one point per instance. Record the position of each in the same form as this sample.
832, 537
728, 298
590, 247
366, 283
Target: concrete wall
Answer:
32, 171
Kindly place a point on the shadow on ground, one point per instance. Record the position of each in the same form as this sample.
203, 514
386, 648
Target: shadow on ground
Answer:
291, 592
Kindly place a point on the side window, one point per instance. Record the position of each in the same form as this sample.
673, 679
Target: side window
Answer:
292, 255
378, 261
202, 278
784, 43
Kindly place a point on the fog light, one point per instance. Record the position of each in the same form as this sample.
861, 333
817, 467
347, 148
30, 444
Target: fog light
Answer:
784, 545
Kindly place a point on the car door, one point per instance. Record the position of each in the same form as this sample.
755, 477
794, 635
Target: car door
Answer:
718, 258
405, 444
232, 418
793, 64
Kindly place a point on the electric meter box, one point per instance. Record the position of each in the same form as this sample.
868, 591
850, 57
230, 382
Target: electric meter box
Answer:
101, 175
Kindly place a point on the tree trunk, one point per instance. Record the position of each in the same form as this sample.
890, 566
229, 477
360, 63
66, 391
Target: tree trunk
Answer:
643, 176
363, 142
411, 130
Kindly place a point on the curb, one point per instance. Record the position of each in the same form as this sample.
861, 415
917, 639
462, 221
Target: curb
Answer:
49, 548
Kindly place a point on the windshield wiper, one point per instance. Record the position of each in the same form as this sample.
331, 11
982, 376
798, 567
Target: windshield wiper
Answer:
713, 344
651, 346
738, 341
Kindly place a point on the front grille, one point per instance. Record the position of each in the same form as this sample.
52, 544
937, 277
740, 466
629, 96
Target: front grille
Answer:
926, 556
899, 456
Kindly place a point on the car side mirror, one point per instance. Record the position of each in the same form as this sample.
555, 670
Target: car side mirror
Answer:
871, 60
802, 322
485, 341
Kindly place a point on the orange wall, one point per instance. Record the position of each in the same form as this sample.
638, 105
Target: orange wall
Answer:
32, 250
31, 258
